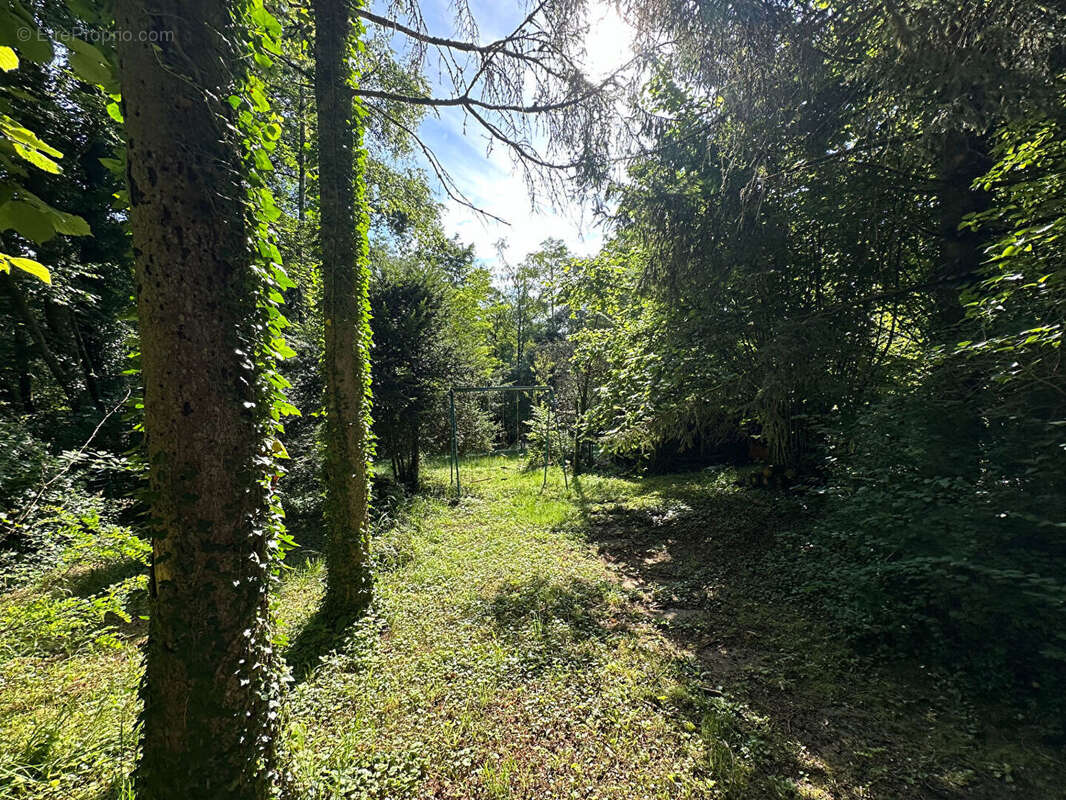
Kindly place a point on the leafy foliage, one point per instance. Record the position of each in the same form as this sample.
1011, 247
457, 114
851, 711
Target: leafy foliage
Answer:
20, 209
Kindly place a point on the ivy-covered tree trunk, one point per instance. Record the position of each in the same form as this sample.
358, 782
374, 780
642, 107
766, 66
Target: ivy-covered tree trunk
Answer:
345, 312
210, 687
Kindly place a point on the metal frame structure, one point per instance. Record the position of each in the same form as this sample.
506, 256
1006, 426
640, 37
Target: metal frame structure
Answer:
454, 460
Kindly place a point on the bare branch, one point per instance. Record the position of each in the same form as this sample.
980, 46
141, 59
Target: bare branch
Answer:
443, 176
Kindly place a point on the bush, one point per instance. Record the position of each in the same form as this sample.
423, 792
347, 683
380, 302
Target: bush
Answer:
85, 577
70, 574
539, 425
949, 567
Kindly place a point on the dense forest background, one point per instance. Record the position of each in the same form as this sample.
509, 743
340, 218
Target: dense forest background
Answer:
834, 261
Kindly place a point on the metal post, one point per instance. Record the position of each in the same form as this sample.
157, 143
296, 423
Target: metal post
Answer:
455, 446
481, 389
562, 460
547, 443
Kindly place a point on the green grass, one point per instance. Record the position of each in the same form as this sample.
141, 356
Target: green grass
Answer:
616, 641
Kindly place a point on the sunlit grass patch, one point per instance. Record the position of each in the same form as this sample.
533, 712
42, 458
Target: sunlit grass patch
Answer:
509, 657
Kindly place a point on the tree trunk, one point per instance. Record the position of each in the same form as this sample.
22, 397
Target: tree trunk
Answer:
964, 158
22, 367
413, 469
301, 168
88, 372
345, 313
43, 350
211, 683
955, 428
582, 407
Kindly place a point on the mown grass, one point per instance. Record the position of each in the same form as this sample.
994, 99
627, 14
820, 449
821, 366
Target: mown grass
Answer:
501, 660
616, 641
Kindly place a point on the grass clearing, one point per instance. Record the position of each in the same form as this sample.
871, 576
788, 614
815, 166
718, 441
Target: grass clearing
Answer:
616, 642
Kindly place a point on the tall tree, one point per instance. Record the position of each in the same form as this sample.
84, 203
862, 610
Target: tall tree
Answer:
345, 312
210, 686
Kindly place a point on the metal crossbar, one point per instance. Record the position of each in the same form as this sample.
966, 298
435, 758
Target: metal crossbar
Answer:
454, 461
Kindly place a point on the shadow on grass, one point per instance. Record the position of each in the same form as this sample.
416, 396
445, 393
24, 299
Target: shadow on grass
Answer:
549, 625
324, 632
101, 578
579, 609
784, 705
327, 630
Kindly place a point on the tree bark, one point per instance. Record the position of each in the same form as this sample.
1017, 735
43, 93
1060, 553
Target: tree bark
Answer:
955, 430
345, 313
301, 168
88, 372
211, 684
963, 159
25, 313
22, 367
416, 441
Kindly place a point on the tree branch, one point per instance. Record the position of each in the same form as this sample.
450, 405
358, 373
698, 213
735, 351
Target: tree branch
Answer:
447, 182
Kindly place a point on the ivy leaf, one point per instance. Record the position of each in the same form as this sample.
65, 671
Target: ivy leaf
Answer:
8, 59
265, 20
262, 161
281, 348
259, 101
36, 269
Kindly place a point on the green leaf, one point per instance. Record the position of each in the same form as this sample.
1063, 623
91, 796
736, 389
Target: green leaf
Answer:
70, 224
29, 221
16, 133
282, 349
278, 449
265, 20
26, 265
86, 10
8, 59
88, 62
259, 101
262, 161
114, 110
18, 29
37, 158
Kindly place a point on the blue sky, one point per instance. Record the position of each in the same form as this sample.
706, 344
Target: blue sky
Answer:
488, 178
